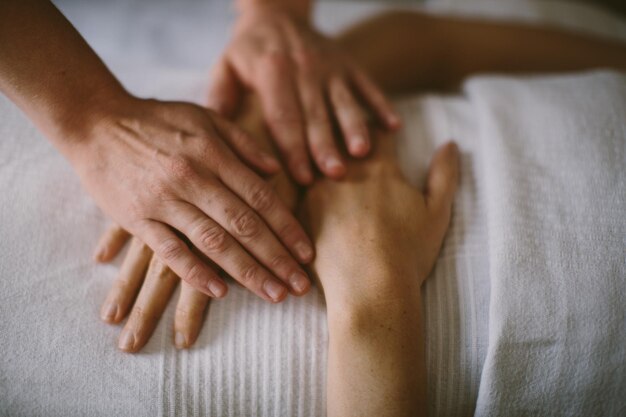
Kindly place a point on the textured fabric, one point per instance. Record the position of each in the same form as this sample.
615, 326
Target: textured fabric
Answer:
554, 153
252, 358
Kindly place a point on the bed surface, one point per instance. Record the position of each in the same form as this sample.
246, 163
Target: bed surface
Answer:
253, 358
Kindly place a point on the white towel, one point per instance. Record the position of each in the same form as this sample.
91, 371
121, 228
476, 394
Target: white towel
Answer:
554, 154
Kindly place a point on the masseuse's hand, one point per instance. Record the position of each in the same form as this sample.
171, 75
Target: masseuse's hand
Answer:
305, 83
145, 285
162, 170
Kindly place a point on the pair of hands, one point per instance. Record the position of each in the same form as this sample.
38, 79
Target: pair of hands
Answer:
176, 173
377, 239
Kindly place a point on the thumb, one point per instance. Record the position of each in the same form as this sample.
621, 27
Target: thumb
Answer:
224, 89
443, 177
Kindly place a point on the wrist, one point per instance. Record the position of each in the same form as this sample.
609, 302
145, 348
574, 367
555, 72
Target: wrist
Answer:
377, 288
364, 316
80, 124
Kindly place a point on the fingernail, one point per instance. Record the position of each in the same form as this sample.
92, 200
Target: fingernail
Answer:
299, 282
108, 312
359, 144
100, 253
393, 120
126, 341
217, 288
333, 163
179, 340
273, 289
304, 251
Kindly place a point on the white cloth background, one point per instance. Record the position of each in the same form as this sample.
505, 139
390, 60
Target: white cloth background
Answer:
252, 358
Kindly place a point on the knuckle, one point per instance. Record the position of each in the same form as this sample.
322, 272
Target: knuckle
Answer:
181, 168
246, 224
288, 232
285, 115
170, 249
249, 274
140, 316
279, 262
316, 114
194, 275
306, 59
213, 238
262, 198
276, 60
187, 313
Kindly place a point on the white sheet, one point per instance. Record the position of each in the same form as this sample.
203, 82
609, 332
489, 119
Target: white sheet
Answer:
554, 153
252, 358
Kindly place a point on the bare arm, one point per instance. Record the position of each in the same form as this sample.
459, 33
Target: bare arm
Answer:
377, 238
150, 165
50, 72
443, 51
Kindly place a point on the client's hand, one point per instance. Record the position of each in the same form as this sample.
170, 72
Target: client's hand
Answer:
146, 285
373, 224
305, 82
377, 239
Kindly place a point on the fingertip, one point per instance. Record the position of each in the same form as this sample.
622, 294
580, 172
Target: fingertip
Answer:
181, 341
217, 289
333, 167
393, 121
100, 255
270, 164
127, 342
301, 173
109, 313
299, 284
358, 146
304, 251
218, 107
275, 291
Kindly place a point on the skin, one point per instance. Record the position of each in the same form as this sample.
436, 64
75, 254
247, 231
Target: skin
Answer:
156, 168
144, 285
305, 83
372, 288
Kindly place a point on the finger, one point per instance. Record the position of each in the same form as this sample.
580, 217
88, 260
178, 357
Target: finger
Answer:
125, 288
246, 147
224, 89
259, 195
110, 244
443, 177
156, 291
214, 242
177, 256
350, 117
281, 109
189, 316
376, 99
318, 129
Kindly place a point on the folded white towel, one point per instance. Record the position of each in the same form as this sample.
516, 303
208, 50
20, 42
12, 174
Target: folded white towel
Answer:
554, 153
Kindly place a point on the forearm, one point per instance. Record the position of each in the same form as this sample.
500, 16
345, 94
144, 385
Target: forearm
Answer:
300, 8
50, 72
376, 363
443, 51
